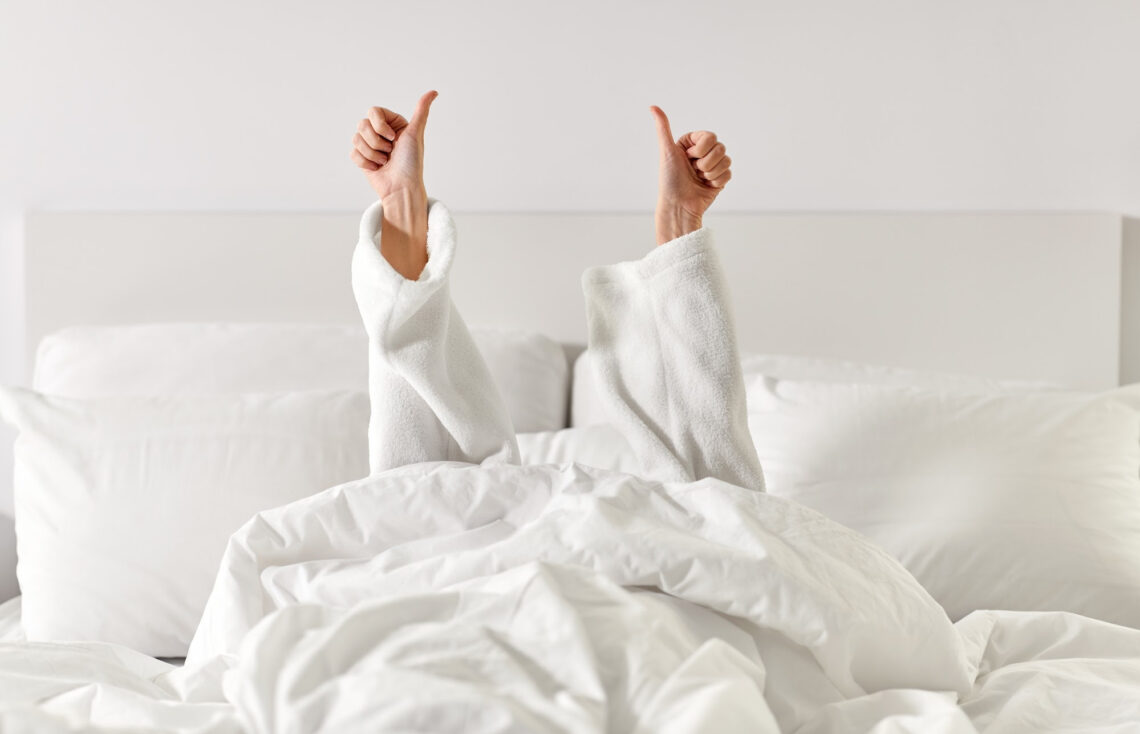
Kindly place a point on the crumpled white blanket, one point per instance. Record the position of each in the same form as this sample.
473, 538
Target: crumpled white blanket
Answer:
456, 563
458, 599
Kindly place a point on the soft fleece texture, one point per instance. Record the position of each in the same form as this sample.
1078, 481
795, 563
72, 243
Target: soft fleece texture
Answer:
666, 363
433, 398
665, 353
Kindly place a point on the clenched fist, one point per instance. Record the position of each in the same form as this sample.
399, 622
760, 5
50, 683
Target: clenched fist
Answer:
390, 149
694, 169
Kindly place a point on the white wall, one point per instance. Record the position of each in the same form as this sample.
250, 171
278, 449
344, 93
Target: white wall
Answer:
826, 104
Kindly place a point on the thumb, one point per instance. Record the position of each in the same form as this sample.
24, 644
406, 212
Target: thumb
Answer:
664, 133
419, 118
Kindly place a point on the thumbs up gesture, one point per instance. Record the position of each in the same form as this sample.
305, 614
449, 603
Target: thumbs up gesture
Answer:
694, 169
390, 149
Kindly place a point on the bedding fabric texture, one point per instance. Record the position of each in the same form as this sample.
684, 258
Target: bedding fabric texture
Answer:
588, 408
995, 494
1020, 501
124, 505
148, 360
530, 369
494, 597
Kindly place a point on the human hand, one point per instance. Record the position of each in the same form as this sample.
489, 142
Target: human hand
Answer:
694, 169
390, 149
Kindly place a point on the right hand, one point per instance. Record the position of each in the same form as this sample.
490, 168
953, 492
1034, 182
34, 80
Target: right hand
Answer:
390, 150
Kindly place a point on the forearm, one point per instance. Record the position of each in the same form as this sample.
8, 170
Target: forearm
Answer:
403, 232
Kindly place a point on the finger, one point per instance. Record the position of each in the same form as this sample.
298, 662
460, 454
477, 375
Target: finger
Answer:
720, 181
420, 116
372, 137
718, 170
386, 123
698, 144
664, 132
375, 156
712, 158
363, 162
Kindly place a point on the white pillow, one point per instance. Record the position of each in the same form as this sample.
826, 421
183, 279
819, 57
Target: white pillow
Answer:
211, 359
1023, 501
124, 505
587, 409
819, 369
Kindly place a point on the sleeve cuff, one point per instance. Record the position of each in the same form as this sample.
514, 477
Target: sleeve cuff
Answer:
386, 298
662, 258
440, 246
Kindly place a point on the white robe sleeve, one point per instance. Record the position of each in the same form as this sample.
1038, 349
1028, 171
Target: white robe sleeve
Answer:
663, 348
433, 398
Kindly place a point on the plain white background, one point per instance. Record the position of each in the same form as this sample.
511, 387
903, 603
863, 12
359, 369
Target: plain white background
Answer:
825, 104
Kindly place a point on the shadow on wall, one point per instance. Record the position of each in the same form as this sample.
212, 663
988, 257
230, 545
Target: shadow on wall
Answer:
1130, 302
8, 588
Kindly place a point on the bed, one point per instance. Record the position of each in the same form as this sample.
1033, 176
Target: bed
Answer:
999, 593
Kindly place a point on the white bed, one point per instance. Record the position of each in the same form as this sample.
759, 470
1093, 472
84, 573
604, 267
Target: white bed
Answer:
996, 296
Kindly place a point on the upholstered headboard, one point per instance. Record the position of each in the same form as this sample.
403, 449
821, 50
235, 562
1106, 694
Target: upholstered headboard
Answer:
1035, 295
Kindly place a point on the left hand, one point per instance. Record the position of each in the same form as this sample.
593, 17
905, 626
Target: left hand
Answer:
694, 169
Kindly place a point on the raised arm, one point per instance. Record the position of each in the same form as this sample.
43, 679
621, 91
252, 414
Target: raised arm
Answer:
433, 398
662, 341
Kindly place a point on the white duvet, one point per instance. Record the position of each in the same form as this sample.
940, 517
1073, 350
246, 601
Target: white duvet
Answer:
560, 599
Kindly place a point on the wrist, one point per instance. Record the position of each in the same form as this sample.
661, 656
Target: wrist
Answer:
673, 221
405, 209
403, 232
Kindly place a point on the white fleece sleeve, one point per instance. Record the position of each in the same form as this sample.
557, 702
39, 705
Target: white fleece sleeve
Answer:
433, 398
663, 347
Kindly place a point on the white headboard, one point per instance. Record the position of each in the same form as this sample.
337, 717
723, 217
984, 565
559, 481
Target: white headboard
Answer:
1033, 295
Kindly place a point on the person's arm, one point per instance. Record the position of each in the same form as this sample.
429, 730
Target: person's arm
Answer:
662, 341
433, 398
